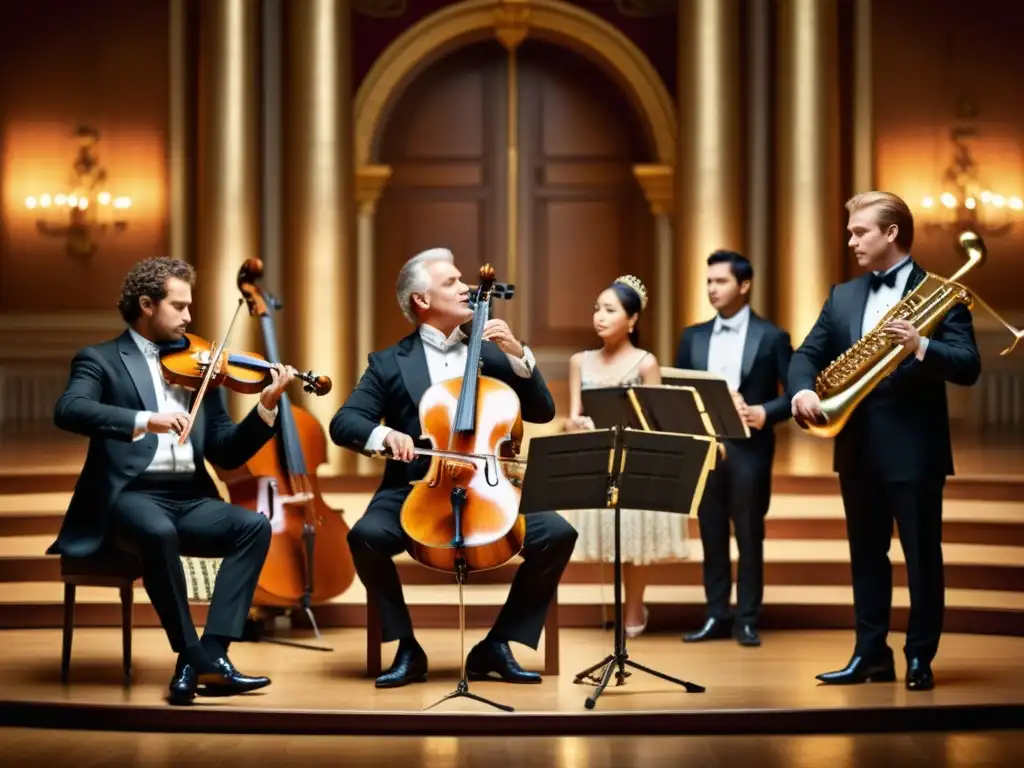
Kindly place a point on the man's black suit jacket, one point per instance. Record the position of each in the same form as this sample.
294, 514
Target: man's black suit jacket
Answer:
392, 386
109, 384
901, 430
765, 365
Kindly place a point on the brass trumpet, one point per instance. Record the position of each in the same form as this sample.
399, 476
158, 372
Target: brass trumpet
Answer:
852, 376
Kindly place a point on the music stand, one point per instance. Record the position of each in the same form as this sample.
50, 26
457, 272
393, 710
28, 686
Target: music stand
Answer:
712, 391
618, 467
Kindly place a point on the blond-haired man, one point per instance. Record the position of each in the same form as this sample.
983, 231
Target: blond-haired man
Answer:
894, 454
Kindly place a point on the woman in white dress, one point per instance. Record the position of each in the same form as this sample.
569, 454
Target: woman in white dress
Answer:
646, 536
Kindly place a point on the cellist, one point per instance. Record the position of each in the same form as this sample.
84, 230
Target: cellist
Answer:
433, 297
144, 491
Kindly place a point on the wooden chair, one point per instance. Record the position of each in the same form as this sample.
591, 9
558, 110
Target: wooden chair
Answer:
115, 569
375, 636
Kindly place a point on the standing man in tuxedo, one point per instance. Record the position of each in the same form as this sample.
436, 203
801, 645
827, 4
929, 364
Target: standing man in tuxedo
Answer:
753, 355
433, 298
143, 492
894, 454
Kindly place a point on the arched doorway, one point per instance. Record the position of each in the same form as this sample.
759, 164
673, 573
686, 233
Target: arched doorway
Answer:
627, 71
582, 216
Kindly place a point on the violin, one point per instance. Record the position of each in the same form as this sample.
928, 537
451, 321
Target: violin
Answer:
194, 363
309, 559
185, 363
464, 514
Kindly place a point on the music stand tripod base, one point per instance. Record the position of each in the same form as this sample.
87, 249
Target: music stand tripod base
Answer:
462, 688
611, 468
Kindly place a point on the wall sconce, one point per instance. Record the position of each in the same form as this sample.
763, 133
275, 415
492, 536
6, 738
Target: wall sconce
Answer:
86, 208
964, 203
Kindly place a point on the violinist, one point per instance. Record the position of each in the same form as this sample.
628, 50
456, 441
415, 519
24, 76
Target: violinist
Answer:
434, 298
144, 492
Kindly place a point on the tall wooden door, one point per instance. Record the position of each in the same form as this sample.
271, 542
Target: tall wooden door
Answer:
582, 217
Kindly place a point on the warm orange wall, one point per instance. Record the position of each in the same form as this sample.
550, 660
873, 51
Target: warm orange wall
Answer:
102, 63
925, 59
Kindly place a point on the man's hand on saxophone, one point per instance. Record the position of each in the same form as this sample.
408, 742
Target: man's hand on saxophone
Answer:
807, 407
904, 332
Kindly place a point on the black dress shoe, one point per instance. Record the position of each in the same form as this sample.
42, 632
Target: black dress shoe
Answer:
919, 676
227, 681
409, 666
713, 629
489, 658
747, 635
183, 685
861, 670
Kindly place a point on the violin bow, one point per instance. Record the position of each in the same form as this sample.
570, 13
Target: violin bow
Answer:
211, 368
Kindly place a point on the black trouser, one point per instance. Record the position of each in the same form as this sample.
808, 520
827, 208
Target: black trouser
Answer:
871, 506
378, 536
161, 520
738, 489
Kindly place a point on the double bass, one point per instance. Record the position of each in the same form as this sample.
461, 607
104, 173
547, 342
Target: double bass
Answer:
463, 515
309, 560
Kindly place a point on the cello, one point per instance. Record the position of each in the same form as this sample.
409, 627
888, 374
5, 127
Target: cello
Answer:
463, 515
309, 560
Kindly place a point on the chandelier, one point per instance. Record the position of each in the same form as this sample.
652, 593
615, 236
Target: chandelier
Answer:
964, 202
86, 208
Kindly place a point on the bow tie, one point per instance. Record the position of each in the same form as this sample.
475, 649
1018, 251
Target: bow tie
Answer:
877, 280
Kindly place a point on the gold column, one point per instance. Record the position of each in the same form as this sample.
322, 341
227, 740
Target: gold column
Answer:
370, 181
319, 209
709, 208
863, 120
759, 154
809, 212
511, 24
657, 182
178, 149
229, 187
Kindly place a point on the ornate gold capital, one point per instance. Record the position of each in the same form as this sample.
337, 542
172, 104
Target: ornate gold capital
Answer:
512, 22
657, 183
370, 181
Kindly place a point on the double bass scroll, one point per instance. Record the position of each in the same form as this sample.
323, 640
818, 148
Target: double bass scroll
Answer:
309, 561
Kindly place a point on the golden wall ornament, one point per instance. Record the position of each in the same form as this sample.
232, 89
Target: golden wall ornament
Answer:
86, 208
512, 22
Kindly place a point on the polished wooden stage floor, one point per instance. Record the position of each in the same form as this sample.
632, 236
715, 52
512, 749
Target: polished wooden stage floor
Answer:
980, 685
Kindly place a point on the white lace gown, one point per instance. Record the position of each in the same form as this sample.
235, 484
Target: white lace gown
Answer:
647, 536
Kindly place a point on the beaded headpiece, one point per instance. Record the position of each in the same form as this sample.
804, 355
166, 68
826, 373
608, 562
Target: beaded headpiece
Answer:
634, 282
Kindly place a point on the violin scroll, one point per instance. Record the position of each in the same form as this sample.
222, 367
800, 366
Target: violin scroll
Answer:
314, 384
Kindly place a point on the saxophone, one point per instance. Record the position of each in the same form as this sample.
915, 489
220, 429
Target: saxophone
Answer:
852, 376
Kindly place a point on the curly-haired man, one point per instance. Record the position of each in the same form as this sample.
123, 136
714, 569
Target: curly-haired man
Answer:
142, 492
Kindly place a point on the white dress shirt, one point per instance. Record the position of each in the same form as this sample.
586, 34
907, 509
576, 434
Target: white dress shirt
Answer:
446, 359
725, 352
882, 300
169, 456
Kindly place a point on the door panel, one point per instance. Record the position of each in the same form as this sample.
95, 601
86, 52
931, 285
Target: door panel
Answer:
582, 216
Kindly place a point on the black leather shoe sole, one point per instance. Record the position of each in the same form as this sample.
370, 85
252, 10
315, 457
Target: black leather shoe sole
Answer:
879, 676
494, 675
398, 682
181, 698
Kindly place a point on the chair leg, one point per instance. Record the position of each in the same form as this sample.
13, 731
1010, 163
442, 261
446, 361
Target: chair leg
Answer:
374, 637
69, 629
551, 639
127, 617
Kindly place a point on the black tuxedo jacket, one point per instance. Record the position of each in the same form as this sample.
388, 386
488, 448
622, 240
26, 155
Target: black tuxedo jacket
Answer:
392, 386
109, 384
765, 365
901, 430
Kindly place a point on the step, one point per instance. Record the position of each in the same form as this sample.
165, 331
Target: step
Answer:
48, 593
775, 550
783, 507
